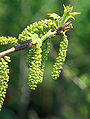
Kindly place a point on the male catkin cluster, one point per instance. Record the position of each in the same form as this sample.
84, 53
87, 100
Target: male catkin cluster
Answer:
38, 34
37, 55
4, 78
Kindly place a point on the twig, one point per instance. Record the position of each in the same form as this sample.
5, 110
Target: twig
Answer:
16, 48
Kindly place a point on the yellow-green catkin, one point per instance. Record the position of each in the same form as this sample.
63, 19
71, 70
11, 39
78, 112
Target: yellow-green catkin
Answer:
4, 78
36, 60
34, 63
60, 59
8, 40
45, 52
40, 28
30, 55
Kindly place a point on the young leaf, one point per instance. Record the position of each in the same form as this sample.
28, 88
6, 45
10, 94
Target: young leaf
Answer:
35, 39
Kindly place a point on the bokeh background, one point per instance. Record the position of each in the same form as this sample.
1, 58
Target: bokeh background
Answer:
69, 96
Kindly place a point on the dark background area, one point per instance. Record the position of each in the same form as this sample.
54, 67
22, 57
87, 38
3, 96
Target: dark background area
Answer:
69, 96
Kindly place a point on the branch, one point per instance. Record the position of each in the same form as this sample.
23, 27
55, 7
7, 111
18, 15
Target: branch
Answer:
16, 48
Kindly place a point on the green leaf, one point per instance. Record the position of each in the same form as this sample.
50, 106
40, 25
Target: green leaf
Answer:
74, 13
35, 39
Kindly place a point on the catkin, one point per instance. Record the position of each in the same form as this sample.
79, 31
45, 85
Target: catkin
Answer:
34, 63
4, 78
60, 59
45, 52
40, 28
8, 40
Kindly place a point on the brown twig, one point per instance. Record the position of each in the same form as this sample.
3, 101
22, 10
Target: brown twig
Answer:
60, 31
15, 49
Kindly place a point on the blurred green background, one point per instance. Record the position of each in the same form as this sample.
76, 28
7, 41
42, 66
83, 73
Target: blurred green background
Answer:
69, 96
